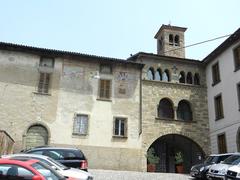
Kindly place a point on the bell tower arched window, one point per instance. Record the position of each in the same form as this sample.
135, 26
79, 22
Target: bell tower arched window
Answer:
182, 77
189, 78
176, 40
170, 39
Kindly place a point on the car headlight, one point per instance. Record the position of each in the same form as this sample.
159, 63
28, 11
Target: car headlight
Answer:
201, 169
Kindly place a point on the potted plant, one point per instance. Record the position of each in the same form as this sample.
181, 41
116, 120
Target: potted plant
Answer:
179, 162
152, 160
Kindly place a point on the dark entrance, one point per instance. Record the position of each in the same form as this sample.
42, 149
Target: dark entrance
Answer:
169, 147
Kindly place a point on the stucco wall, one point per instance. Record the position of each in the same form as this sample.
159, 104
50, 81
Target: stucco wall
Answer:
20, 105
228, 89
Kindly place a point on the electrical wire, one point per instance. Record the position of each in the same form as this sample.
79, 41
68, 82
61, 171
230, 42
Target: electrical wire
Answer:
198, 43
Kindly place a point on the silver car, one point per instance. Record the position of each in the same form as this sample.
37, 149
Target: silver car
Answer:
218, 171
63, 170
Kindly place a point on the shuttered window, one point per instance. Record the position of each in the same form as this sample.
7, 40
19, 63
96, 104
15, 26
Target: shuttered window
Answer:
222, 146
43, 85
218, 107
215, 74
80, 125
105, 89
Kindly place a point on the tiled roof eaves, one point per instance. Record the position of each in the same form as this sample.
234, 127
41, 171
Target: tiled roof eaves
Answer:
222, 47
137, 55
60, 53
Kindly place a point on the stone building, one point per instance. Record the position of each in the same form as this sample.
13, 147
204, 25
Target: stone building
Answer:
113, 109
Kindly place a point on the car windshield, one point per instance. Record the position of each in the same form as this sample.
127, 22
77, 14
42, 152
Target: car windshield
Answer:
233, 160
211, 159
47, 172
61, 166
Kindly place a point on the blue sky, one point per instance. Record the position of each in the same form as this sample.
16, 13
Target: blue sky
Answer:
115, 28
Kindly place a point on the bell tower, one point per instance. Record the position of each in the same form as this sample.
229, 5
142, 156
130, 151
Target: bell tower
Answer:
170, 41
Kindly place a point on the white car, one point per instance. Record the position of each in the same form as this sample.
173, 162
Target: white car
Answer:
218, 171
63, 170
233, 173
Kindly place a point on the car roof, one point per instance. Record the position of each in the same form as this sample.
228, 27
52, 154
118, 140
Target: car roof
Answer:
18, 162
48, 147
25, 155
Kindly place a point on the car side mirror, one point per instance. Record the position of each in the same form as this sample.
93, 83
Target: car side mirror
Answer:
36, 178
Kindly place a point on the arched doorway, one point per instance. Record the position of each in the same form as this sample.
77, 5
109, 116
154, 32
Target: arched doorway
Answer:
37, 135
170, 146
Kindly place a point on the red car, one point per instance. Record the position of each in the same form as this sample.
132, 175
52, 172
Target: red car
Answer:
27, 170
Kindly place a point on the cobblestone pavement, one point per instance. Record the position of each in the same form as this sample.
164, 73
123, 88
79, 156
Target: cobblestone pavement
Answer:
131, 175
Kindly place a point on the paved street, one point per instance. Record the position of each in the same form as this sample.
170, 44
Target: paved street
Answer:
131, 175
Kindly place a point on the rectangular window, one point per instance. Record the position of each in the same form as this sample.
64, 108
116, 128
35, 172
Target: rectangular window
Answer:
80, 125
43, 84
222, 146
218, 107
105, 89
238, 93
105, 69
237, 58
215, 74
120, 127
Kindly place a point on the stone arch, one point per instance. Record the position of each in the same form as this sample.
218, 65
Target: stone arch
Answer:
167, 146
189, 78
166, 76
182, 78
166, 108
36, 134
170, 39
150, 73
176, 40
196, 79
184, 110
158, 74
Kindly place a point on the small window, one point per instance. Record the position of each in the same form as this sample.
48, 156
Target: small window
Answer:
150, 74
218, 107
105, 69
171, 39
237, 58
120, 127
222, 146
176, 40
80, 125
47, 62
43, 84
215, 74
105, 89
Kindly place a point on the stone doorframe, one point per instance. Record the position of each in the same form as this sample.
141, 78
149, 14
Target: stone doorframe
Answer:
34, 124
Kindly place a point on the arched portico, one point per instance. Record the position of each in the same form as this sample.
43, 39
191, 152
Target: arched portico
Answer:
168, 146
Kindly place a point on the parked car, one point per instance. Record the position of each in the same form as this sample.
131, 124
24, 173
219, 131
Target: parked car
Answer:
200, 170
233, 173
31, 169
70, 157
63, 170
218, 171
